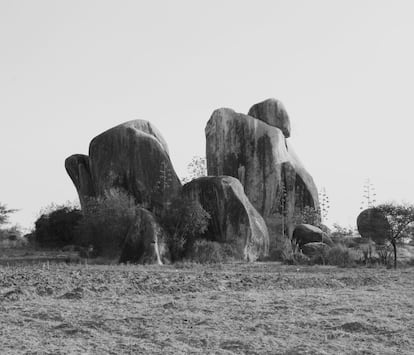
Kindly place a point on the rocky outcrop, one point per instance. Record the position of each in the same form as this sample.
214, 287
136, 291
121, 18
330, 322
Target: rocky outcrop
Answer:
145, 242
305, 233
273, 113
233, 218
133, 157
258, 155
372, 224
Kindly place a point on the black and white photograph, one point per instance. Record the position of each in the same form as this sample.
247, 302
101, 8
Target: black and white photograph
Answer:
207, 177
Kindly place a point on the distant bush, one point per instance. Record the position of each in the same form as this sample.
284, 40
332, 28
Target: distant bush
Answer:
339, 255
208, 252
56, 227
282, 250
308, 215
184, 221
106, 222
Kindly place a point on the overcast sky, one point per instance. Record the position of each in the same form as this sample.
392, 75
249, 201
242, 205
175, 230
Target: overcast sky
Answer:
72, 69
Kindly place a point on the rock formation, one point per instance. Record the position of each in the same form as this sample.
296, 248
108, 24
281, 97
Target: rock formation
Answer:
372, 224
305, 233
133, 157
258, 154
145, 242
233, 218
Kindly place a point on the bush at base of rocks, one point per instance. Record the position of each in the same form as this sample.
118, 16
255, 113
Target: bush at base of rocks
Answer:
282, 250
339, 255
209, 252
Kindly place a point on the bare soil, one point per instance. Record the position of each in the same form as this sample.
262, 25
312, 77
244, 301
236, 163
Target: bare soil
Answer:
260, 308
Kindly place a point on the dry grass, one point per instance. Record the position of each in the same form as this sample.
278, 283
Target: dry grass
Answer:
262, 308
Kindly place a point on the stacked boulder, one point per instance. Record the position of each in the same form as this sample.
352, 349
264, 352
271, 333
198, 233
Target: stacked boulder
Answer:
254, 149
233, 220
130, 157
133, 157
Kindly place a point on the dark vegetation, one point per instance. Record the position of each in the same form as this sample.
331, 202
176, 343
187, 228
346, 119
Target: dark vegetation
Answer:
101, 229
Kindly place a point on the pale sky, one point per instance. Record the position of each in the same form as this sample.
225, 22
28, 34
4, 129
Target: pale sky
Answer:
72, 69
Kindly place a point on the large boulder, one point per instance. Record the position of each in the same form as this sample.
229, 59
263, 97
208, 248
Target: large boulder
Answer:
273, 113
132, 157
77, 167
306, 233
145, 242
233, 218
315, 249
372, 224
258, 155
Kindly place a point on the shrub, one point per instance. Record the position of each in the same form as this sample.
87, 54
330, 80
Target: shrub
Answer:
56, 227
184, 221
339, 255
208, 252
282, 250
300, 259
106, 222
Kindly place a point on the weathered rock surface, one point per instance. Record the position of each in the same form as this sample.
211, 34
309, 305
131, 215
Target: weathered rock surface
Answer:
77, 167
259, 156
233, 218
315, 249
133, 157
273, 113
145, 242
305, 233
372, 224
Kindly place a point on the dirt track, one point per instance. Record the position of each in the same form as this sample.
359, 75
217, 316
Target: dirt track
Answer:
262, 308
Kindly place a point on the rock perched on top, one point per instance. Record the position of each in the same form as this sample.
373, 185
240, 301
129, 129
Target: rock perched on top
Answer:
132, 157
233, 218
260, 157
305, 233
273, 113
372, 224
145, 242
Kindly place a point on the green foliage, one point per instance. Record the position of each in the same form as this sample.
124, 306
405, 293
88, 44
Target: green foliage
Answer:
5, 214
57, 227
106, 222
184, 220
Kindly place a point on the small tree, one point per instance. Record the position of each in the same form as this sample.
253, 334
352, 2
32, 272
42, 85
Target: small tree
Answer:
56, 226
196, 168
282, 205
399, 218
369, 195
184, 220
324, 205
106, 221
308, 215
5, 214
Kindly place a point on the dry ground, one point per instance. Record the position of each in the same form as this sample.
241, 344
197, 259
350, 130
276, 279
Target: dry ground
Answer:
261, 308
